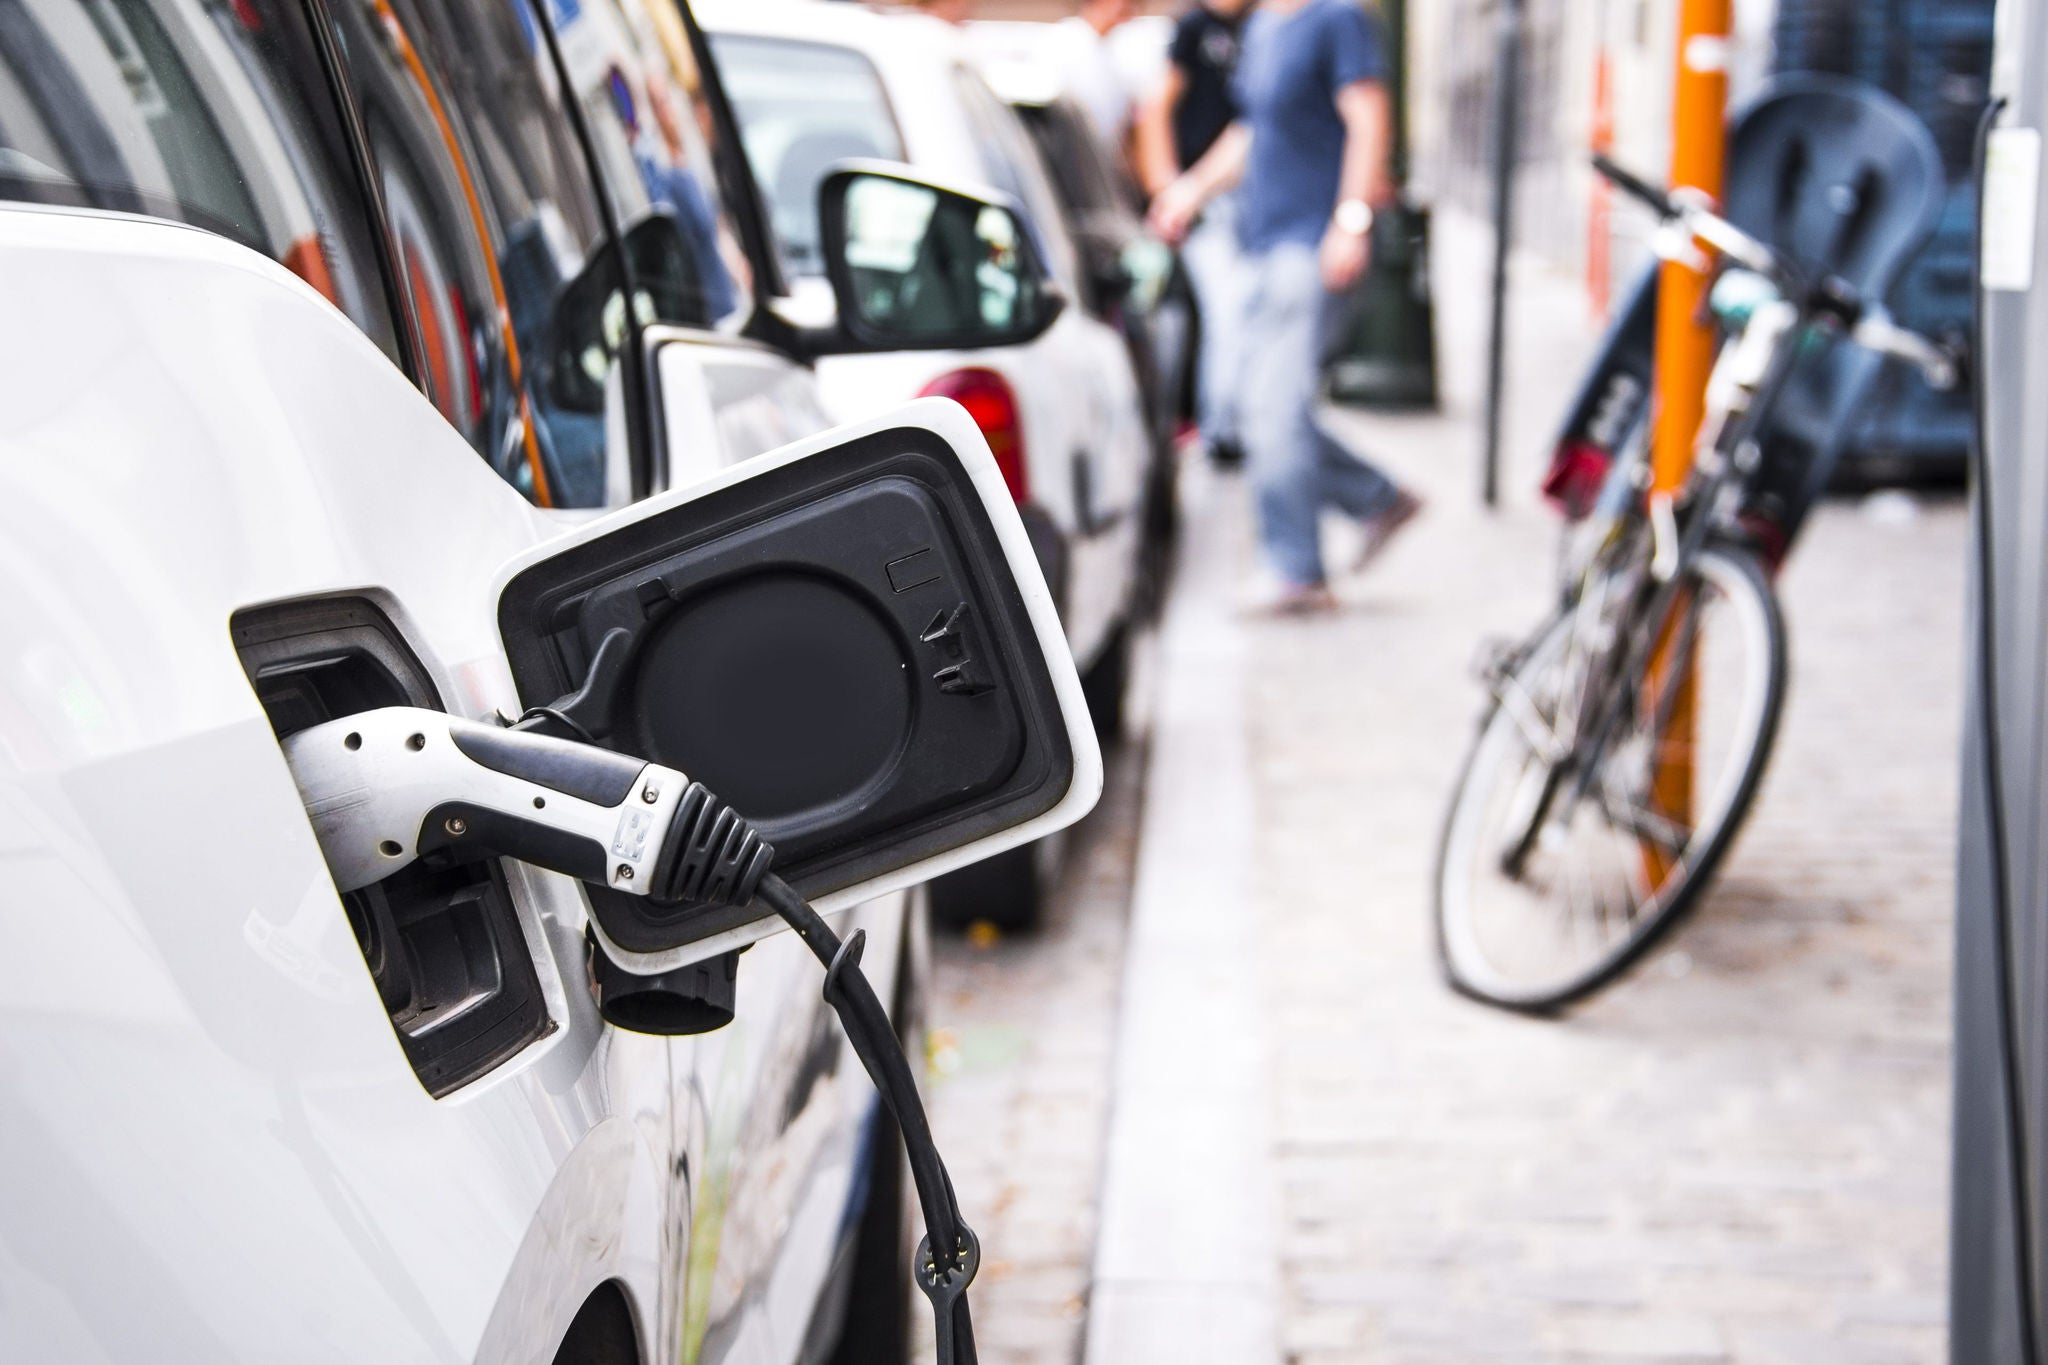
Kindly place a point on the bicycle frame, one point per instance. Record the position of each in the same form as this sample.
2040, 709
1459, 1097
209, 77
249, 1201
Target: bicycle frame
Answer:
1751, 374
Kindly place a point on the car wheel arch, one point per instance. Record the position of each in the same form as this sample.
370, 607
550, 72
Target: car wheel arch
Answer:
597, 1232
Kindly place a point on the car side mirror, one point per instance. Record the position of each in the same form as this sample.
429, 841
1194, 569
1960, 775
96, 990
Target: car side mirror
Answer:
587, 324
918, 266
849, 640
1110, 279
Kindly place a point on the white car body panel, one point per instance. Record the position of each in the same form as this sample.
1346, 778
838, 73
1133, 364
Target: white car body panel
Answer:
1076, 392
214, 1148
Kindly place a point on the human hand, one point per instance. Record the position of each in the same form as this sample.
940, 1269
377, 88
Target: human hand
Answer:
1173, 211
1344, 257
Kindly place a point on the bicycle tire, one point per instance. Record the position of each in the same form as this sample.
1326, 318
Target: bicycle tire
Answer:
1736, 572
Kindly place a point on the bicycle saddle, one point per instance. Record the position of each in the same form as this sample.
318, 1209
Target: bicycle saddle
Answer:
1838, 176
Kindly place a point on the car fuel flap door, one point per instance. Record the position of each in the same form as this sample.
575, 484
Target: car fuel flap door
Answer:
847, 639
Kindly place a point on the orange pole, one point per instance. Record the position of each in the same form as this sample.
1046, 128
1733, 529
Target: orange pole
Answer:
1685, 348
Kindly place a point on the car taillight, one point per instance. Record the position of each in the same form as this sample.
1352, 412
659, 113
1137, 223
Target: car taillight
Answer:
992, 404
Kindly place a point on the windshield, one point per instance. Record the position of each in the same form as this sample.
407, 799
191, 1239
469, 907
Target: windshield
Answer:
803, 107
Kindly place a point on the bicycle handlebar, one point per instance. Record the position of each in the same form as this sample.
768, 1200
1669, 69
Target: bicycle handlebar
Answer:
1697, 219
1873, 329
1877, 332
1636, 187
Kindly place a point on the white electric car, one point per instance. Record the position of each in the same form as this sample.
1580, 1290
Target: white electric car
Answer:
816, 84
409, 353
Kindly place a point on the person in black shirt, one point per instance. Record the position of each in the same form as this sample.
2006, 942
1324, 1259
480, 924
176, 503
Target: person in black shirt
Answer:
1189, 111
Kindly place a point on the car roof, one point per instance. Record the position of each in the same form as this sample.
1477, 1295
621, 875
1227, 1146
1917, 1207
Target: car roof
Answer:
908, 50
829, 21
1018, 59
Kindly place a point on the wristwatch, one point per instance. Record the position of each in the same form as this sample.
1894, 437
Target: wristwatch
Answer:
1353, 216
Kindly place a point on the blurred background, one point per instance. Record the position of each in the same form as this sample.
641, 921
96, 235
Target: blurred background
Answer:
1205, 1089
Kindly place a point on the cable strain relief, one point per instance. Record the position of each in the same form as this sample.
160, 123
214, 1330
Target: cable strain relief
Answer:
713, 855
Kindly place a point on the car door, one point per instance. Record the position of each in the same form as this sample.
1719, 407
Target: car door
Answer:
768, 1114
446, 1155
244, 1118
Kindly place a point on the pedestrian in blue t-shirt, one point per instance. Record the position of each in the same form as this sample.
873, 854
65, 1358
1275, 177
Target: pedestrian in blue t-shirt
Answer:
1308, 156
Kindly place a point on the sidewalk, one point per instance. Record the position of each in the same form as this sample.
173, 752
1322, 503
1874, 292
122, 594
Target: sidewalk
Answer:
1739, 1154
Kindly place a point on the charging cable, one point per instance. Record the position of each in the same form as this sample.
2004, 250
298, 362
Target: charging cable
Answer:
384, 788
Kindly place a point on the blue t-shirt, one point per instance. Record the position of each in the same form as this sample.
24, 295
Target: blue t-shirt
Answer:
1288, 74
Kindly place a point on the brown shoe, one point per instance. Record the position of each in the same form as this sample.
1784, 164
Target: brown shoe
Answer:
1382, 529
1288, 599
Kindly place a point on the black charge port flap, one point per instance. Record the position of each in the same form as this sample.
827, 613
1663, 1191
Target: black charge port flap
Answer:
836, 646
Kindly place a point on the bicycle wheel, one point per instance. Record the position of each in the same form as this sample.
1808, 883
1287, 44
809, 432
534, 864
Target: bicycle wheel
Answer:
1551, 882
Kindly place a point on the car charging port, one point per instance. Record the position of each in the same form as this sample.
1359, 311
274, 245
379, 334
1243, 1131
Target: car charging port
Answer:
389, 776
442, 941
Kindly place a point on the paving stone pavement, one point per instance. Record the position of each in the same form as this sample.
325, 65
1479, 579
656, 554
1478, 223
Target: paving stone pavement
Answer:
1020, 1051
1738, 1154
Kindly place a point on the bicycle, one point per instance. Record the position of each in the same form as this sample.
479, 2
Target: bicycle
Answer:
1625, 739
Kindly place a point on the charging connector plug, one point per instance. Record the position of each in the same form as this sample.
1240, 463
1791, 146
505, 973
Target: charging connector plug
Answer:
386, 787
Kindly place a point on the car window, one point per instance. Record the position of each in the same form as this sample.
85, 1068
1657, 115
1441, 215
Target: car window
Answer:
498, 226
1072, 157
1011, 165
215, 115
652, 129
802, 107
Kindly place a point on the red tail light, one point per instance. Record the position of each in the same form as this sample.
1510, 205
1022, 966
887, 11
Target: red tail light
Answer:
1578, 470
992, 404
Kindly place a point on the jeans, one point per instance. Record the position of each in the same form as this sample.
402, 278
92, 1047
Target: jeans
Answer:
1297, 468
1216, 269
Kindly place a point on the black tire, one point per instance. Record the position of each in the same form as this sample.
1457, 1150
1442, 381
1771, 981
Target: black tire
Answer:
876, 1329
602, 1333
1104, 684
1160, 534
1736, 574
1162, 500
1006, 891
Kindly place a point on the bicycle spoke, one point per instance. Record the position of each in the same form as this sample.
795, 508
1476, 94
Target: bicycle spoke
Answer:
1539, 919
1666, 833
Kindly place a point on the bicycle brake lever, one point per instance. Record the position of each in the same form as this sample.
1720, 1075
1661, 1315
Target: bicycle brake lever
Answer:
1663, 538
1673, 241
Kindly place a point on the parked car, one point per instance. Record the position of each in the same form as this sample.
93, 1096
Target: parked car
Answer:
1131, 280
816, 84
1130, 274
327, 329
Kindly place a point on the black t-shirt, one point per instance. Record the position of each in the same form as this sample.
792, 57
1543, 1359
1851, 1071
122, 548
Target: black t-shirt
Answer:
1205, 50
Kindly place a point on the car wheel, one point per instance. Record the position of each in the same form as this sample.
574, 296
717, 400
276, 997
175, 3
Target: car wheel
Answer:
1005, 891
1105, 683
1155, 549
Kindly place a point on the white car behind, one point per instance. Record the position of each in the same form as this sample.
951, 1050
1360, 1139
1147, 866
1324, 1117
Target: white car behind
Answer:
815, 84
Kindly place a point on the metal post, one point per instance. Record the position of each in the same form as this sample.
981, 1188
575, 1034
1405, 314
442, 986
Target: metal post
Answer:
1685, 351
1507, 75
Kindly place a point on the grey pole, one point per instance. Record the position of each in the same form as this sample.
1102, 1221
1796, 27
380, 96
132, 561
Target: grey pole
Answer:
1507, 97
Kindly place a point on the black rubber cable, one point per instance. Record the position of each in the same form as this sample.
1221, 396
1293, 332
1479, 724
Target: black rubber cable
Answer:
949, 1256
2012, 1073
